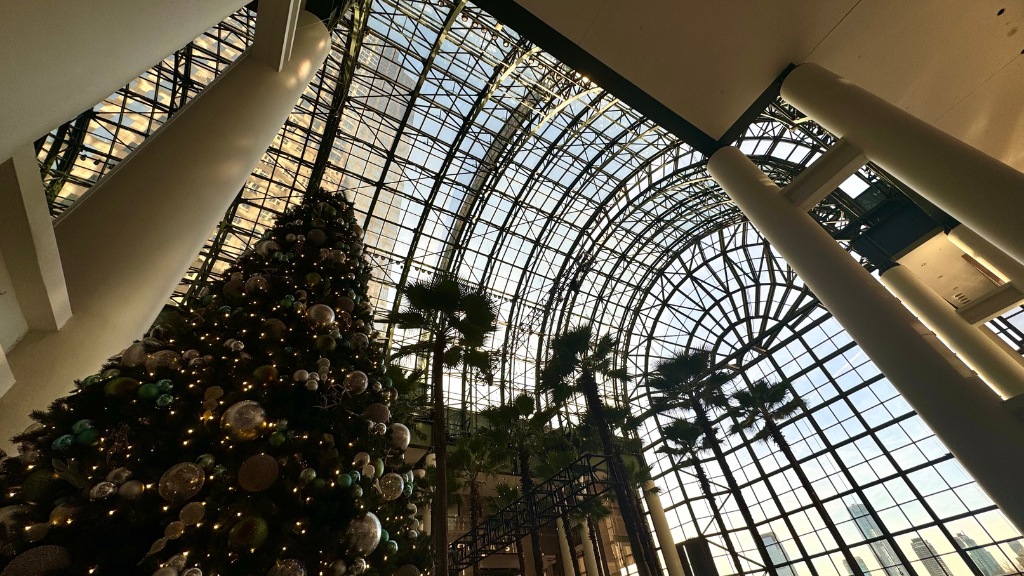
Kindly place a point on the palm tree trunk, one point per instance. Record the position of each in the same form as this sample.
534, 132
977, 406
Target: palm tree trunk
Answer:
618, 470
526, 478
439, 516
474, 514
705, 486
776, 434
709, 432
521, 556
570, 539
600, 556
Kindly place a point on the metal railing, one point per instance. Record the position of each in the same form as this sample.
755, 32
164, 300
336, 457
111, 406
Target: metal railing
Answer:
584, 480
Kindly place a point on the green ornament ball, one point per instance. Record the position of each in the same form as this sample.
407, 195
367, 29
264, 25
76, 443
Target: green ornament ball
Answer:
164, 400
121, 386
378, 464
344, 481
110, 373
265, 373
325, 343
165, 385
384, 535
82, 425
390, 547
90, 380
249, 534
313, 279
148, 391
38, 486
278, 438
87, 437
64, 442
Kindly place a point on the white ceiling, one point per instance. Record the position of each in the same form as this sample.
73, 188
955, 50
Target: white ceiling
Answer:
955, 63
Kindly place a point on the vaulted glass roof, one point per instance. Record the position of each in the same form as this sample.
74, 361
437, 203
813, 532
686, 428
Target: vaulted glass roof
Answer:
469, 150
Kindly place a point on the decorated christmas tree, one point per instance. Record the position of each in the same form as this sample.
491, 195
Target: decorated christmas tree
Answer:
253, 439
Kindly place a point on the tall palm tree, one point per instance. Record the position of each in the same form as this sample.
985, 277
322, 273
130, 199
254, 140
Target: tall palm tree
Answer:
683, 443
759, 409
686, 382
458, 320
471, 460
504, 496
516, 430
575, 362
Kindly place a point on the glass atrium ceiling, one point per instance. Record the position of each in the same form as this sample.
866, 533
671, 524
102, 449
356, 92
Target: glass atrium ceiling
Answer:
469, 150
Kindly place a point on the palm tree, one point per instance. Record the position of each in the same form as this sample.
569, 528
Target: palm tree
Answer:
471, 459
683, 444
504, 496
687, 382
575, 362
516, 430
458, 319
759, 409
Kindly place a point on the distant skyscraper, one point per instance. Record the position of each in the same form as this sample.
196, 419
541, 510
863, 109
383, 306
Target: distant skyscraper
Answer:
982, 558
932, 563
860, 563
1018, 548
882, 550
778, 554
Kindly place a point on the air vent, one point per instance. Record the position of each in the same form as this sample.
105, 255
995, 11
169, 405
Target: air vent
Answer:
961, 298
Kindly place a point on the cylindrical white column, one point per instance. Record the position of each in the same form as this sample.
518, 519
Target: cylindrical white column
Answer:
662, 530
589, 557
988, 254
127, 243
568, 558
976, 349
61, 58
976, 189
965, 413
429, 461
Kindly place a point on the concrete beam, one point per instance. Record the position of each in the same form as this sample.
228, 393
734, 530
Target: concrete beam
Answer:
992, 304
29, 245
276, 21
824, 175
92, 47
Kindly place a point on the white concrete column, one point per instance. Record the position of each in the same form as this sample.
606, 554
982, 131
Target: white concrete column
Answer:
999, 262
29, 246
568, 558
6, 376
429, 461
962, 411
127, 243
976, 349
662, 530
589, 557
60, 58
976, 189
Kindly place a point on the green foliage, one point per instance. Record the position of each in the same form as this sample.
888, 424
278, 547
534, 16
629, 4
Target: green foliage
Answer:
266, 450
760, 406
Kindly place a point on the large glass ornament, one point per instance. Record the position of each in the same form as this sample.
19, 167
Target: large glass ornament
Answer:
181, 482
288, 567
400, 435
363, 535
356, 382
244, 420
391, 486
320, 314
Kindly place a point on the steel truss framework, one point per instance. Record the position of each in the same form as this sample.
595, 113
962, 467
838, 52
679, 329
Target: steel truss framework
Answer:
469, 150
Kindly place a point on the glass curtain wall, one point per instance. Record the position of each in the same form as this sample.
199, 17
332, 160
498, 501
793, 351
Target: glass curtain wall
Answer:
469, 150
